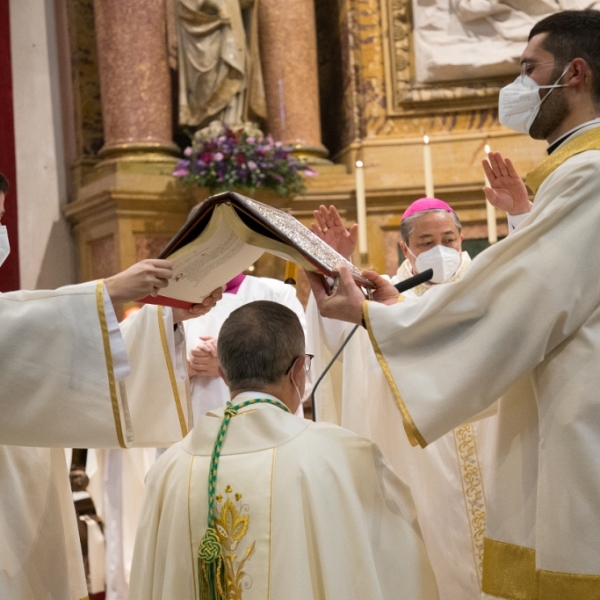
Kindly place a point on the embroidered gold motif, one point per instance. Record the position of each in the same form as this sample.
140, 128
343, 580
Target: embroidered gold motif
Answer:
231, 522
464, 438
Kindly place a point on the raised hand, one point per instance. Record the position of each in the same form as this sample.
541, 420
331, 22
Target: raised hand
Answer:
142, 279
507, 190
331, 230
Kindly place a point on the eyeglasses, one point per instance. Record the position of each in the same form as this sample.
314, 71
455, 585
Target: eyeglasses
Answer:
528, 67
307, 362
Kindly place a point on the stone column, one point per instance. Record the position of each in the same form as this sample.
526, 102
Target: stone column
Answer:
288, 46
134, 77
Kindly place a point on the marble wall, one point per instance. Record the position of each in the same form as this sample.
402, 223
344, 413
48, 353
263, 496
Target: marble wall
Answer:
46, 251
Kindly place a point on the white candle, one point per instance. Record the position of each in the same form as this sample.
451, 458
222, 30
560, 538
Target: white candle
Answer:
428, 166
361, 210
490, 211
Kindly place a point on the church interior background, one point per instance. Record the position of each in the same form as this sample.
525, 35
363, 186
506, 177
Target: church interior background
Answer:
91, 125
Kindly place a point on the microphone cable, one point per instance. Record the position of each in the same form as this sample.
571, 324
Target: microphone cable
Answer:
401, 286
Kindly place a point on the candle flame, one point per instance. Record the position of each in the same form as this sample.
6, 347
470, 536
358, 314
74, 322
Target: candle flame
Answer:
487, 149
359, 164
426, 139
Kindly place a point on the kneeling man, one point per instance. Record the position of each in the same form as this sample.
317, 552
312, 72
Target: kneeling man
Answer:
256, 503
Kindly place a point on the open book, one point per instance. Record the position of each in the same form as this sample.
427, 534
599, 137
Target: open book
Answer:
228, 234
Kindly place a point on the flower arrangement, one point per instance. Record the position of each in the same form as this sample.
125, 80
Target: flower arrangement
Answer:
224, 157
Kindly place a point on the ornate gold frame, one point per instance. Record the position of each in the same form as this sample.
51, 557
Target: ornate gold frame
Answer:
405, 94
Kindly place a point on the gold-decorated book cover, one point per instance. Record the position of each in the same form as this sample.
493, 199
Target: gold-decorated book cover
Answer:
230, 232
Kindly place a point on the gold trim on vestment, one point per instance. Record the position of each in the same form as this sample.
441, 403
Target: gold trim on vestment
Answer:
167, 354
232, 520
473, 493
193, 551
509, 572
590, 140
413, 434
271, 523
568, 586
114, 400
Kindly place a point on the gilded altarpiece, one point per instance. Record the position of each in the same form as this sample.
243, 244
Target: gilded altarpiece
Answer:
372, 108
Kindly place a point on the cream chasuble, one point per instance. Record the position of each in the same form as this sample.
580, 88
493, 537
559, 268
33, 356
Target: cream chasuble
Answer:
447, 480
524, 325
59, 388
303, 511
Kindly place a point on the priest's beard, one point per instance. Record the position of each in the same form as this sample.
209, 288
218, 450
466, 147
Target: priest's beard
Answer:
553, 111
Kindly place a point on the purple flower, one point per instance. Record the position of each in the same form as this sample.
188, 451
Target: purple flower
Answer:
251, 165
188, 151
180, 172
277, 176
310, 172
250, 140
218, 156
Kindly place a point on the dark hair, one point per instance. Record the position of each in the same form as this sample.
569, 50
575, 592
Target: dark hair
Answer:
3, 184
257, 343
573, 34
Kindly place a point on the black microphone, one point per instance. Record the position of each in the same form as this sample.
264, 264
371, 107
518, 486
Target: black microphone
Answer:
402, 286
414, 281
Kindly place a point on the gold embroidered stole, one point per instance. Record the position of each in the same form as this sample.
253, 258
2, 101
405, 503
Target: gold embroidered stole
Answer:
466, 447
590, 140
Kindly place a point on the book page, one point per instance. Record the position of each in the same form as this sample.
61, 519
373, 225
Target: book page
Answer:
210, 261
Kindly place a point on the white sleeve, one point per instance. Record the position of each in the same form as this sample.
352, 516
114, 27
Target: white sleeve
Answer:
121, 366
515, 220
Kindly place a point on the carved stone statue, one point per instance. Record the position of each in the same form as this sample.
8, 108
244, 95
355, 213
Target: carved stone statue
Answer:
456, 40
214, 45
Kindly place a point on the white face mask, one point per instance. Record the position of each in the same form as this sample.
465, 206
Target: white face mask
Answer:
443, 260
4, 244
519, 102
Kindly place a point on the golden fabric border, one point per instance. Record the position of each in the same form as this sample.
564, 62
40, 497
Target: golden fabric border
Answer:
193, 551
473, 492
414, 435
508, 571
167, 354
271, 522
109, 363
590, 140
568, 586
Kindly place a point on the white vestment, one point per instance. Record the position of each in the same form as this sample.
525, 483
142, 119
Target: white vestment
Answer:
446, 479
211, 392
304, 510
64, 382
524, 325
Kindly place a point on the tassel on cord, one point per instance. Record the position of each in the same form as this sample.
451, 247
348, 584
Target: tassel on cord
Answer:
212, 577
211, 568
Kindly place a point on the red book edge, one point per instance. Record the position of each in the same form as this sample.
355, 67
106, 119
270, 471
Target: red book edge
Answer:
164, 301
